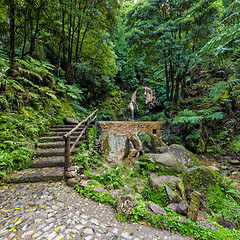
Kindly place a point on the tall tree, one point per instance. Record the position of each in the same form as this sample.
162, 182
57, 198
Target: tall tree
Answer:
168, 36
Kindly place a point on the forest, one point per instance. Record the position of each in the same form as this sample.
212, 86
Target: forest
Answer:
95, 54
69, 57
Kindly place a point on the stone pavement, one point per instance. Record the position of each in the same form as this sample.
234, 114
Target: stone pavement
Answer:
55, 211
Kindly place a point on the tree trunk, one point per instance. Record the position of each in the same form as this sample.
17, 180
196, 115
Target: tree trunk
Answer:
171, 74
12, 34
25, 34
167, 79
34, 36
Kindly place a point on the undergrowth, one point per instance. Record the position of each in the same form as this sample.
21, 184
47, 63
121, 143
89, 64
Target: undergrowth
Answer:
31, 100
223, 198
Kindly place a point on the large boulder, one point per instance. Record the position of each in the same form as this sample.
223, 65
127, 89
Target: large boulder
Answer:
184, 156
200, 177
157, 182
167, 160
115, 147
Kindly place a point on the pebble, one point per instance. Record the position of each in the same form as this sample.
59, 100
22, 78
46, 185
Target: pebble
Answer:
54, 211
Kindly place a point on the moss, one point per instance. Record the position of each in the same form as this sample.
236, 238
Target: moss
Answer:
182, 188
32, 76
200, 177
194, 158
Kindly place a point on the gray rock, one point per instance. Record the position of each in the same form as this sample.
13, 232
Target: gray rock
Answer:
71, 121
157, 182
85, 183
71, 174
173, 206
71, 182
182, 208
84, 176
171, 194
227, 224
201, 216
155, 209
99, 190
70, 169
115, 193
167, 160
184, 156
79, 169
127, 190
126, 204
115, 147
208, 225
136, 142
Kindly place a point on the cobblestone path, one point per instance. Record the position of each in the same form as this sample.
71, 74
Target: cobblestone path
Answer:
54, 211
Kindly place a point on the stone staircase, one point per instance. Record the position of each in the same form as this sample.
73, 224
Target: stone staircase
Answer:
48, 162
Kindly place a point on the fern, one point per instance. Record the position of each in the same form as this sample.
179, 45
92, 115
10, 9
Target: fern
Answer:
188, 116
215, 116
226, 44
41, 68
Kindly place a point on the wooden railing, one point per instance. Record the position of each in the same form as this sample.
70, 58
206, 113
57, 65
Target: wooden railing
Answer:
67, 137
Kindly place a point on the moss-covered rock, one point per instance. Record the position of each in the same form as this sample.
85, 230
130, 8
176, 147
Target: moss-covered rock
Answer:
200, 177
167, 161
157, 182
184, 156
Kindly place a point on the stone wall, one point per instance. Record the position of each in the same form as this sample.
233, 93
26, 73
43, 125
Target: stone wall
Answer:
129, 128
117, 138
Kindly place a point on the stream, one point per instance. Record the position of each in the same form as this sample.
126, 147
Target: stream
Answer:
228, 165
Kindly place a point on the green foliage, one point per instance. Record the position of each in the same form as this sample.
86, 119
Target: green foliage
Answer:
192, 123
39, 67
89, 193
159, 196
16, 131
235, 145
110, 176
88, 158
228, 207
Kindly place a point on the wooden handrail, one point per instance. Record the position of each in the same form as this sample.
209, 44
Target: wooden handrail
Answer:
68, 148
74, 144
79, 124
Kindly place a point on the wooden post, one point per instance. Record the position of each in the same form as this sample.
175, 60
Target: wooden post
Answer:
67, 153
87, 140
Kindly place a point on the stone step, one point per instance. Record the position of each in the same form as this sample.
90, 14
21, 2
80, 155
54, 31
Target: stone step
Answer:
51, 152
43, 162
55, 144
70, 126
37, 175
55, 138
66, 130
76, 133
64, 126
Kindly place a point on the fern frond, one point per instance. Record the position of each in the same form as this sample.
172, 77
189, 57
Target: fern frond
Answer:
215, 116
218, 90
